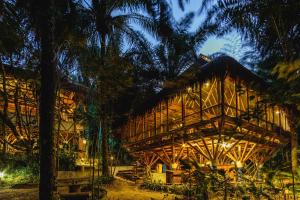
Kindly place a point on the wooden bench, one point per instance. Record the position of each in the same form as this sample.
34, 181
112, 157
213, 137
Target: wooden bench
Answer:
74, 188
75, 196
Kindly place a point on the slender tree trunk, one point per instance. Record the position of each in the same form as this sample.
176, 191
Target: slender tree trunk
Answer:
47, 100
5, 106
105, 170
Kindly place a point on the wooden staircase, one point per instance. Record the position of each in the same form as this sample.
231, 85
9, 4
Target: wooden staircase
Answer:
136, 174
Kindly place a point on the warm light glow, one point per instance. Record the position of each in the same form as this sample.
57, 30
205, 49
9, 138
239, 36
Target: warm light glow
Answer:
225, 145
21, 137
174, 165
84, 141
286, 191
207, 84
239, 164
111, 157
277, 112
183, 145
1, 174
189, 89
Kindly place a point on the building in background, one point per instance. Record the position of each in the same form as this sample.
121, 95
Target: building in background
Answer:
214, 114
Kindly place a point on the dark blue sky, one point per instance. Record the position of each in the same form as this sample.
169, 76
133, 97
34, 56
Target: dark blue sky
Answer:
213, 44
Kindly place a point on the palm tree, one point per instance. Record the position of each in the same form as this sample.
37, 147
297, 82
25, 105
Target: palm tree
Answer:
177, 48
111, 33
50, 22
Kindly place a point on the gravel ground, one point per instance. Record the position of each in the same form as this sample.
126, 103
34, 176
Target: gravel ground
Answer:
19, 194
120, 190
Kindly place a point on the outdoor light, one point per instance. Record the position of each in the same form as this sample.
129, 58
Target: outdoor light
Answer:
189, 89
208, 163
286, 191
206, 84
239, 164
111, 157
183, 145
225, 145
174, 165
21, 137
277, 112
84, 141
1, 174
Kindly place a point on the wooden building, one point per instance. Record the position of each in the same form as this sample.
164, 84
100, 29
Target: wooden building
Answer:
215, 114
19, 113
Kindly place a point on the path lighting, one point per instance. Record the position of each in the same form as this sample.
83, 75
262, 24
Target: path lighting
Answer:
183, 145
111, 158
207, 84
84, 141
1, 175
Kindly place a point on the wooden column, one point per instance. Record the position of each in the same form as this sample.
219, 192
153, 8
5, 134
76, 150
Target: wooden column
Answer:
200, 99
135, 132
182, 110
160, 119
248, 109
154, 113
144, 127
222, 90
236, 97
167, 109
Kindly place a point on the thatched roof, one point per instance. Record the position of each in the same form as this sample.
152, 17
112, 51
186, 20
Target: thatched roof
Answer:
27, 74
201, 71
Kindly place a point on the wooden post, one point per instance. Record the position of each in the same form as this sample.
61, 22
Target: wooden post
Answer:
154, 113
222, 80
135, 132
200, 99
236, 98
182, 110
160, 119
129, 128
144, 127
167, 104
248, 109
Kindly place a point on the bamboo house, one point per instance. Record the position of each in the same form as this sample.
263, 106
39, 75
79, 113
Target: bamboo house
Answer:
214, 114
19, 113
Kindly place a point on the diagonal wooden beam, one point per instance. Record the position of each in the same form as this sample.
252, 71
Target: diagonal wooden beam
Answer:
199, 151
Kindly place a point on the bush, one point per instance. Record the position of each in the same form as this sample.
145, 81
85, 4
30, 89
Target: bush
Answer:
67, 160
105, 180
19, 169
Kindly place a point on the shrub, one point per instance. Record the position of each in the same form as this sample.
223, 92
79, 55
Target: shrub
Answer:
67, 160
19, 169
105, 180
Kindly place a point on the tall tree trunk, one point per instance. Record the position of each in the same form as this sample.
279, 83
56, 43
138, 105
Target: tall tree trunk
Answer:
5, 106
105, 170
47, 100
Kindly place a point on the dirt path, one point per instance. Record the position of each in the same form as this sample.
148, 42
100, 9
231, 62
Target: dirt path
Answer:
120, 190
19, 194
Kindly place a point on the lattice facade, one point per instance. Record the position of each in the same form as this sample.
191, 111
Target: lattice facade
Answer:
19, 115
219, 119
